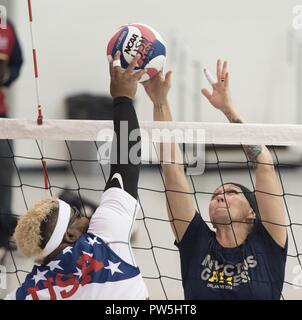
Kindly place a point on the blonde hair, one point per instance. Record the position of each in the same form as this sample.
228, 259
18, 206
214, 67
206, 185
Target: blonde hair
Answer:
28, 231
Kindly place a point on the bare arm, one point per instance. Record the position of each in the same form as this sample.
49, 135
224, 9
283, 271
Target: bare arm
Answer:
268, 191
180, 205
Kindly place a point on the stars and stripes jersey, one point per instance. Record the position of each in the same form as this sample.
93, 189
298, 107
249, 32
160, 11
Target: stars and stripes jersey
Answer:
100, 265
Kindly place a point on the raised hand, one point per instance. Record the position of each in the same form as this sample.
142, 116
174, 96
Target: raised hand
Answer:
220, 98
158, 87
124, 81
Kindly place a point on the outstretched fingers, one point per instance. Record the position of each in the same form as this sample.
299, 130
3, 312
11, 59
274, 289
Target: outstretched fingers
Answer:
221, 71
224, 71
168, 77
110, 60
218, 70
133, 64
206, 93
227, 80
138, 75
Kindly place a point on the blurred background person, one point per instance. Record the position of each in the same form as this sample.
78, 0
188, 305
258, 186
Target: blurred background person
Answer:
10, 64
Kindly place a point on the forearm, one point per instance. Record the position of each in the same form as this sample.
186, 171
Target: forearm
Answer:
180, 205
258, 154
125, 122
124, 162
170, 155
268, 191
161, 111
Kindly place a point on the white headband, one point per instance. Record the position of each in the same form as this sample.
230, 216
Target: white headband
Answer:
60, 229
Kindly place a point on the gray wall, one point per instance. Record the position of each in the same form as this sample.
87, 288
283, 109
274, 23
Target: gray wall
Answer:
256, 37
71, 38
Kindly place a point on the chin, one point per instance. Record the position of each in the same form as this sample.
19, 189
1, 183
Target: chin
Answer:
220, 220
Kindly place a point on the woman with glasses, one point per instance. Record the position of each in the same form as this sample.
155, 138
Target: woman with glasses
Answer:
244, 256
90, 259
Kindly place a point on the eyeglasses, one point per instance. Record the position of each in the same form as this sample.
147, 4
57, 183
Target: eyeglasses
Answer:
76, 215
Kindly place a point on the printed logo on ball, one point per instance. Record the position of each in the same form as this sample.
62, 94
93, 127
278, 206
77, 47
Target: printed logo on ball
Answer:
138, 44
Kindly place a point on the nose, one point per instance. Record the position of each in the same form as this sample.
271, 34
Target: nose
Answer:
220, 198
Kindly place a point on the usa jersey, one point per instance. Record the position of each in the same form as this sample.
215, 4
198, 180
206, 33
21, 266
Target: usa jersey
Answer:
100, 265
254, 270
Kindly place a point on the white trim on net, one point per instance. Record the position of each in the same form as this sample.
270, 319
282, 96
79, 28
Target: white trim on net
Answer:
214, 133
60, 229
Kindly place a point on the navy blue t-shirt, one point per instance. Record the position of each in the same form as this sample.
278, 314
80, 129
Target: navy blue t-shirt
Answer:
254, 270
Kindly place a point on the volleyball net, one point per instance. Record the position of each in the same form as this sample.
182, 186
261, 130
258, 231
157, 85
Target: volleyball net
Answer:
65, 157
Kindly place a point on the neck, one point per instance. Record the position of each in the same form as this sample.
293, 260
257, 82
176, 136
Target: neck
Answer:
232, 235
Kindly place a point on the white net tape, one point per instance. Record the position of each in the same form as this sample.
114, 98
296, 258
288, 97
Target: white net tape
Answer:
215, 133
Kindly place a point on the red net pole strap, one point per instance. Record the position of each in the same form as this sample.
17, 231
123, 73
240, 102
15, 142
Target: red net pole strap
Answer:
35, 61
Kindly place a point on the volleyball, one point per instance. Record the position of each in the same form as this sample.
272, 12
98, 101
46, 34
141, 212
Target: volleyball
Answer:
138, 38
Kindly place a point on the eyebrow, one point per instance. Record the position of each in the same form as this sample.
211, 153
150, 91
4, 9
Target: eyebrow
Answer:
225, 191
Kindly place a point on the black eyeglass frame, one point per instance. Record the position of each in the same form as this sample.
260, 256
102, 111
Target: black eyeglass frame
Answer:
76, 215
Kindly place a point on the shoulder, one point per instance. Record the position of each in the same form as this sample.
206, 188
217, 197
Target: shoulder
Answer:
197, 231
262, 237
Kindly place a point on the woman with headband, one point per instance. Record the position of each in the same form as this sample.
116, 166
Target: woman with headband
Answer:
244, 258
